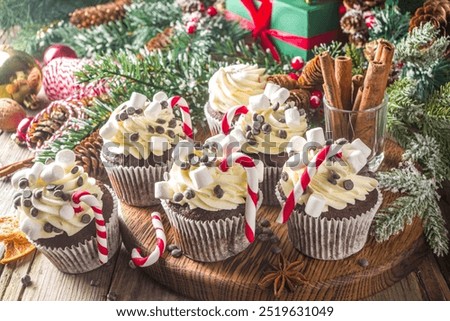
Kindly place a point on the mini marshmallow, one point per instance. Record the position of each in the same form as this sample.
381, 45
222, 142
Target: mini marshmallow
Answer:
280, 96
67, 212
292, 117
358, 144
108, 131
215, 139
316, 135
296, 162
137, 100
159, 143
270, 89
296, 144
238, 134
356, 160
65, 157
18, 175
153, 110
160, 96
314, 205
31, 228
258, 103
52, 172
201, 177
163, 190
183, 149
229, 145
259, 170
34, 172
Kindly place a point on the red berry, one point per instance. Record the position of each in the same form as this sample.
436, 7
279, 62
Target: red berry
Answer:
314, 101
342, 10
317, 93
211, 11
297, 63
293, 75
191, 28
201, 8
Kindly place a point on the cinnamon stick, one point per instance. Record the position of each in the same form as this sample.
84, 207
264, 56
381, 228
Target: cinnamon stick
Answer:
11, 168
357, 82
343, 74
330, 85
387, 55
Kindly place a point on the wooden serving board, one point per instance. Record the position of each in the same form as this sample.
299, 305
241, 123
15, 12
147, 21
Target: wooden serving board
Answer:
237, 278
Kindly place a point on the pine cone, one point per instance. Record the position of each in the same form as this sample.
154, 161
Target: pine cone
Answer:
353, 21
373, 3
188, 6
311, 75
88, 155
435, 11
99, 14
359, 39
161, 40
354, 4
284, 81
300, 97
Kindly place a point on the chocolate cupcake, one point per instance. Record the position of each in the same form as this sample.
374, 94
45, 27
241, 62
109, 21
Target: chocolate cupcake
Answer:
207, 202
138, 140
230, 86
60, 209
330, 219
268, 126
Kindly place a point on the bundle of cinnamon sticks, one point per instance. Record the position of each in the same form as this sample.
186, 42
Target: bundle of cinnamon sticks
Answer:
356, 93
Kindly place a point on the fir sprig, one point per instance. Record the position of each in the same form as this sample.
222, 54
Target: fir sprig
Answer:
391, 24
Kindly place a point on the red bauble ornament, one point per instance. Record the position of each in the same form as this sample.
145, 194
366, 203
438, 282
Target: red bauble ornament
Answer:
211, 11
191, 28
58, 51
317, 93
297, 63
294, 76
314, 101
342, 10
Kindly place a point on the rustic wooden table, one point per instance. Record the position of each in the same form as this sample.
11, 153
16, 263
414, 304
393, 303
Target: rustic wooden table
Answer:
118, 281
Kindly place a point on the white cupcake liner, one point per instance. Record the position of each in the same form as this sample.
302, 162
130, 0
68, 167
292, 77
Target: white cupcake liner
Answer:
83, 257
330, 239
209, 241
214, 124
136, 185
272, 176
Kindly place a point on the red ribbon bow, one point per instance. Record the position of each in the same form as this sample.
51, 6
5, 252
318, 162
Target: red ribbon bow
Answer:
261, 29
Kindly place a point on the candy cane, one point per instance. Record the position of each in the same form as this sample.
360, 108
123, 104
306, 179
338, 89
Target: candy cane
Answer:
93, 202
306, 177
141, 261
252, 189
229, 116
185, 114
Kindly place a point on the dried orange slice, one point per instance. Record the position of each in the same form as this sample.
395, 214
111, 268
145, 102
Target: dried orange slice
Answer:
15, 242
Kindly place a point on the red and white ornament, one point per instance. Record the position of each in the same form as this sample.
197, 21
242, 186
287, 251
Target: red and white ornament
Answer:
22, 128
191, 28
314, 102
342, 10
297, 63
58, 51
211, 11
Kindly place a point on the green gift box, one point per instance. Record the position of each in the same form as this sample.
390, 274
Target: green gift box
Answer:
302, 25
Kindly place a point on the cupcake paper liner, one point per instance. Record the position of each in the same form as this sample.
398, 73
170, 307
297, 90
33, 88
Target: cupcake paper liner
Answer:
136, 185
334, 239
209, 241
214, 124
83, 257
271, 177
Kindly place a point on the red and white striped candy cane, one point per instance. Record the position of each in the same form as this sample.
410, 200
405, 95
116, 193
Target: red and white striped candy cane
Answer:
251, 202
100, 226
185, 114
229, 116
146, 261
306, 177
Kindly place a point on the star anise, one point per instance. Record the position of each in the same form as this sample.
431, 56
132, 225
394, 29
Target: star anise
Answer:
283, 275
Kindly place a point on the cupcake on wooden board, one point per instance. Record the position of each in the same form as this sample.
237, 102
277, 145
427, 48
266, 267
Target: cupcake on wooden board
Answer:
328, 197
230, 86
71, 218
138, 140
211, 201
264, 129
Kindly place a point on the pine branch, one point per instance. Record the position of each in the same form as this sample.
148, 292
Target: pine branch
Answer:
391, 24
358, 60
335, 48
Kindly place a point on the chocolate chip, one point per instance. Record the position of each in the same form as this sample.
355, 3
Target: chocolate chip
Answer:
218, 191
166, 176
198, 146
301, 111
329, 142
260, 118
94, 283
23, 183
164, 104
335, 175
252, 142
363, 262
276, 106
282, 120
341, 141
249, 135
176, 253
65, 197
150, 129
284, 176
178, 197
38, 194
189, 194
134, 137
282, 134
18, 202
56, 230
27, 202
275, 250
255, 117
112, 296
348, 184
34, 212
172, 123
26, 280
204, 159
48, 227
257, 125
160, 129
185, 165
74, 170
160, 121
274, 239
117, 117
171, 247
265, 223
131, 111
27, 193
58, 193
248, 128
80, 181
267, 230
266, 128
50, 187
171, 133
256, 132
331, 180
123, 116
139, 111
85, 219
